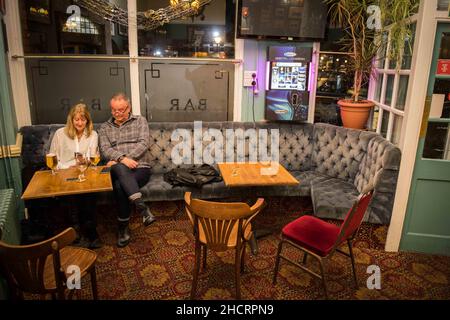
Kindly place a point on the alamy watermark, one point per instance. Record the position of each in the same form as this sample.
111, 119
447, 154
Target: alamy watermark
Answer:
214, 146
74, 279
374, 280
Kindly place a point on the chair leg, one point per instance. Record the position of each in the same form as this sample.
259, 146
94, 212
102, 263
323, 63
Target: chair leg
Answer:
323, 278
70, 294
205, 252
179, 212
237, 270
352, 258
94, 283
305, 257
243, 259
196, 269
277, 262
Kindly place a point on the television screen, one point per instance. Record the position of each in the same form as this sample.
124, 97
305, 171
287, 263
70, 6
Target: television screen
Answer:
288, 76
282, 19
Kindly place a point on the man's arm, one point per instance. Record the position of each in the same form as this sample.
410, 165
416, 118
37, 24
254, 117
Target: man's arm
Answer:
107, 150
143, 142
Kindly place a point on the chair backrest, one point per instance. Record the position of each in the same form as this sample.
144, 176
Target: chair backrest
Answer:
354, 218
24, 265
216, 220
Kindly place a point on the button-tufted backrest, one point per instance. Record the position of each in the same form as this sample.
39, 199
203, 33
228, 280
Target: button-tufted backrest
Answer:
36, 142
294, 151
334, 151
337, 151
381, 155
296, 144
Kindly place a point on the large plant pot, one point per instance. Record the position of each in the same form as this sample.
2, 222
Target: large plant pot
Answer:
355, 114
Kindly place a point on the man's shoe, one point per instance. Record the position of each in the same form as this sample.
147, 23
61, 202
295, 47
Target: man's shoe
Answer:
123, 235
148, 218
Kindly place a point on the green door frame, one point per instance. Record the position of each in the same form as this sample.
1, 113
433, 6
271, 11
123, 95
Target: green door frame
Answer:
427, 223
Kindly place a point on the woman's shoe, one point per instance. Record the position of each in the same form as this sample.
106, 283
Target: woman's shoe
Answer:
95, 244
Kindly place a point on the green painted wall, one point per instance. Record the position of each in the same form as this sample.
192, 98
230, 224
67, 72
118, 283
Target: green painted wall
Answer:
255, 58
9, 168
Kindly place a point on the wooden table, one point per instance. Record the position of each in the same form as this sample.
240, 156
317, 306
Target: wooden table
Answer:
45, 185
246, 174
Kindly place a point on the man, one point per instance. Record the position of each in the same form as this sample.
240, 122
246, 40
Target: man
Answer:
124, 143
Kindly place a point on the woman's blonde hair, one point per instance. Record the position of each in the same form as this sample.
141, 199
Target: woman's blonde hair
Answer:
83, 110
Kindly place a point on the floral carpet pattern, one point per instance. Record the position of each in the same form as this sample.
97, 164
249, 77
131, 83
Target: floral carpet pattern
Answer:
158, 263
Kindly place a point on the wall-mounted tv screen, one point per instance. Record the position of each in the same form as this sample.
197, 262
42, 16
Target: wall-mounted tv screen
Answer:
282, 19
288, 76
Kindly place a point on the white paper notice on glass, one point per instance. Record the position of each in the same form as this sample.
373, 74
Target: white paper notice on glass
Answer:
437, 104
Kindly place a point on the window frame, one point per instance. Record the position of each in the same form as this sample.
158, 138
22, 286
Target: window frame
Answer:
392, 109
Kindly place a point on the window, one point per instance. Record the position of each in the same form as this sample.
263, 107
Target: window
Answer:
333, 83
80, 25
56, 33
209, 34
442, 5
334, 80
63, 27
390, 90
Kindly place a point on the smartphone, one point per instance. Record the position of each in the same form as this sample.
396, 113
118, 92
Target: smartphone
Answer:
106, 170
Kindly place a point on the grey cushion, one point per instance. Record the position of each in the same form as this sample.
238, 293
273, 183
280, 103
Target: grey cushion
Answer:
333, 198
159, 190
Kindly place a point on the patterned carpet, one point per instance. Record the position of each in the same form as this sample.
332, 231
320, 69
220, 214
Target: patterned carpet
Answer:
158, 263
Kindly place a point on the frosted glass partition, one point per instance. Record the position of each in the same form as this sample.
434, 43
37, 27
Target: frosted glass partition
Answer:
173, 90
57, 84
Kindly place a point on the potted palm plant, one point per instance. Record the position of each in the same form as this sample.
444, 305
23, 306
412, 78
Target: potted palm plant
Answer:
362, 41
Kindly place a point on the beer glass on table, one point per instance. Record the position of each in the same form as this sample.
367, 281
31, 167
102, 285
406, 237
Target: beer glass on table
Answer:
52, 161
95, 157
82, 164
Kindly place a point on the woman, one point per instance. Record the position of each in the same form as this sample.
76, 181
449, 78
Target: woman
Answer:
78, 136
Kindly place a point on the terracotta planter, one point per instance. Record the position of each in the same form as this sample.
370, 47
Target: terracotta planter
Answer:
355, 114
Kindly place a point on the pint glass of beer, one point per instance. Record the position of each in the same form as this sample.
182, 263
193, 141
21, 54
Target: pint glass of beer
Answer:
52, 162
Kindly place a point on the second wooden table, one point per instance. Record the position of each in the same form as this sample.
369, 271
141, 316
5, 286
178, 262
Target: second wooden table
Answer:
246, 174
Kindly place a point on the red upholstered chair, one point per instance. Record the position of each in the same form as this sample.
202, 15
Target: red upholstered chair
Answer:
321, 239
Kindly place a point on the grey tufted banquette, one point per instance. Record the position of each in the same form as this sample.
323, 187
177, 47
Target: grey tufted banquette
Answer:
333, 164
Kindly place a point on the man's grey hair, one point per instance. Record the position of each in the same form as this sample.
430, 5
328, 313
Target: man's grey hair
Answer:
121, 96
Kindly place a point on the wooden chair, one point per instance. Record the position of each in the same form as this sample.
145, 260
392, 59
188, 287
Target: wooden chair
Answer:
320, 239
41, 268
219, 227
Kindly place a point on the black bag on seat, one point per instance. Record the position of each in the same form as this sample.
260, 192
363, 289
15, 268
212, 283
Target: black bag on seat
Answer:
192, 177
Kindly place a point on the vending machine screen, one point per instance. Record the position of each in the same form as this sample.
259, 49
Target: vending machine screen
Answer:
288, 76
